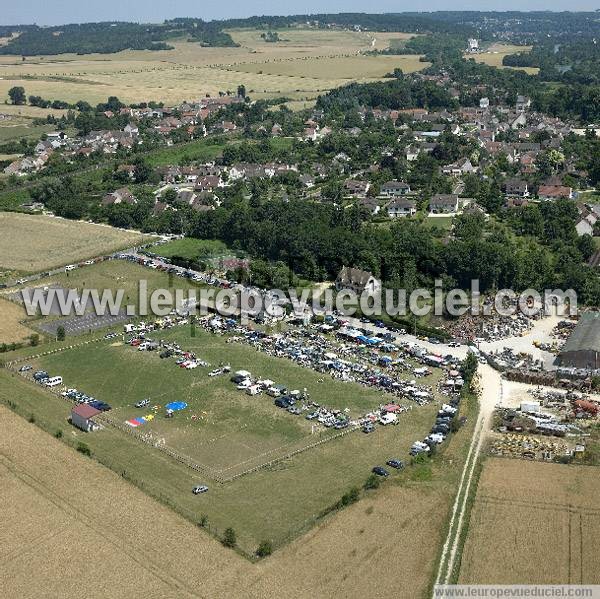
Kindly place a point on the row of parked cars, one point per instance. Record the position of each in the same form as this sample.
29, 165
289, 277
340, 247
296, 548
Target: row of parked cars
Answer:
42, 377
80, 397
439, 430
395, 464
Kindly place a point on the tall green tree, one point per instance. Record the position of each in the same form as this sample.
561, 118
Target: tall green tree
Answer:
17, 95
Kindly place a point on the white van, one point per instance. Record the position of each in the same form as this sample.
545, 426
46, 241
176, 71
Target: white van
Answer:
54, 381
70, 267
388, 419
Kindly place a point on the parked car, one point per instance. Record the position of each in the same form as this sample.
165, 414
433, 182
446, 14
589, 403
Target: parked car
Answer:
53, 381
397, 464
143, 403
419, 447
198, 489
40, 375
380, 471
368, 428
25, 368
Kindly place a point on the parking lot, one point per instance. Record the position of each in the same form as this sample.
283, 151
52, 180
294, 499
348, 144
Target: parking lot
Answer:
82, 324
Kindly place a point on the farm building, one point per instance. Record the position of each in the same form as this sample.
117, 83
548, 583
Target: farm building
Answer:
582, 349
82, 416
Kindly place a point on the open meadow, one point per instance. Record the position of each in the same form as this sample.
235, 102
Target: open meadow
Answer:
305, 63
496, 52
30, 243
533, 523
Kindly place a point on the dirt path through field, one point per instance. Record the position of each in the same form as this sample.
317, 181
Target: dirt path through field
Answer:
491, 394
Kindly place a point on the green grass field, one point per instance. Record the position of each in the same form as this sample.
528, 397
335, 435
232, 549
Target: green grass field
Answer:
200, 150
230, 427
223, 428
191, 248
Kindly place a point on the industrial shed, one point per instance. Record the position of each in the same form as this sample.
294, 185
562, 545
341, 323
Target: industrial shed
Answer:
582, 349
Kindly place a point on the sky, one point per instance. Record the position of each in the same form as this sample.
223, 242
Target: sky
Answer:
60, 12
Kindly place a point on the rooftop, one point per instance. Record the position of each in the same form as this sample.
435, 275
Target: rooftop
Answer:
586, 335
85, 411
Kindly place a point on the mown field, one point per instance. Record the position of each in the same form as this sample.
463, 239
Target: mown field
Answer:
192, 248
21, 122
65, 511
306, 63
118, 275
496, 52
11, 329
280, 502
223, 429
31, 243
533, 523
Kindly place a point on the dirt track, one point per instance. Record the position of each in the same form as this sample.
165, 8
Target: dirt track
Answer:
73, 528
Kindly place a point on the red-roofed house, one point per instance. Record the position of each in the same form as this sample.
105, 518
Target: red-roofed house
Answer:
82, 416
555, 192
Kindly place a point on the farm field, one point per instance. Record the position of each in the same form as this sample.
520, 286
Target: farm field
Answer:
544, 522
350, 68
11, 329
496, 52
89, 513
31, 243
21, 122
307, 63
259, 504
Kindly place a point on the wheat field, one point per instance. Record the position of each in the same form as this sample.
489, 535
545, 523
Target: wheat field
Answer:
307, 63
533, 523
31, 243
11, 329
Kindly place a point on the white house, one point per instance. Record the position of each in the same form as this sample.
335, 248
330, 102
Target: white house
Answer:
412, 153
443, 204
459, 168
393, 189
587, 221
401, 208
